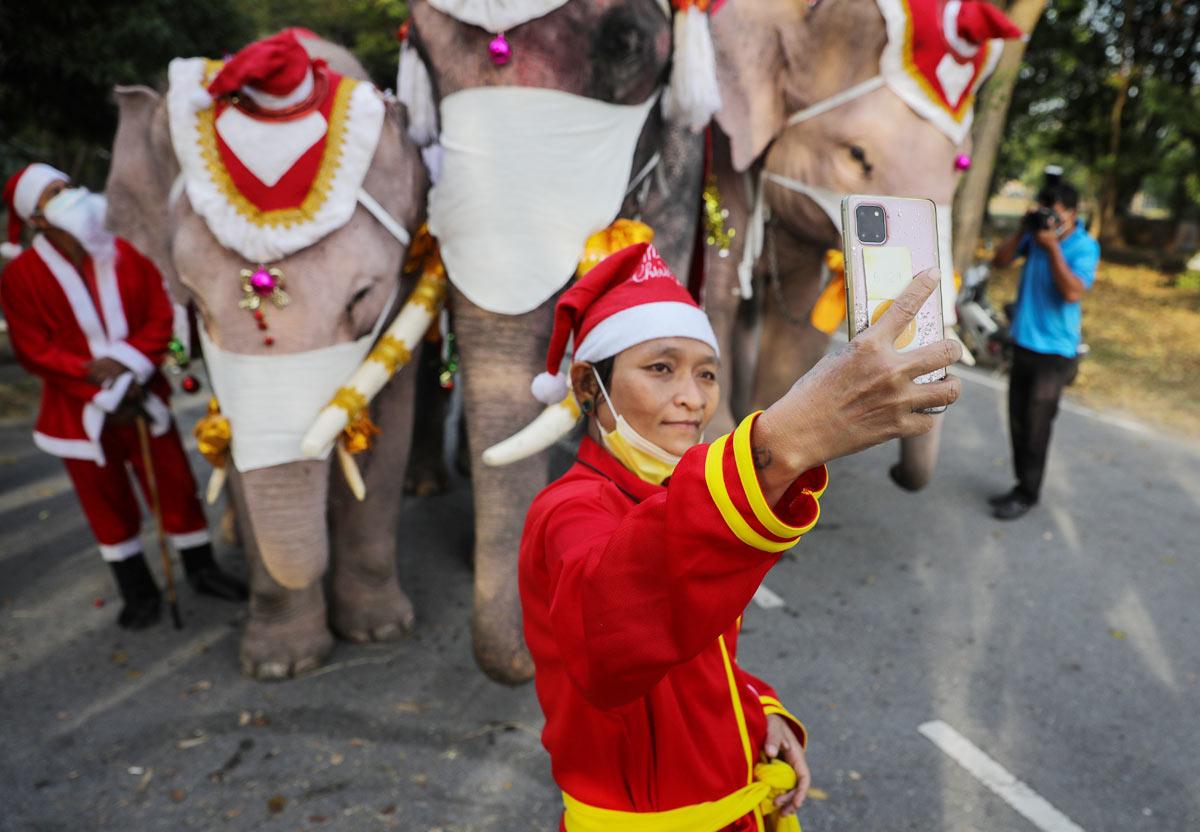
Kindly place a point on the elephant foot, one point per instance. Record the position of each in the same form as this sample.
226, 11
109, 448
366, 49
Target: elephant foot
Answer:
363, 612
275, 649
501, 654
906, 479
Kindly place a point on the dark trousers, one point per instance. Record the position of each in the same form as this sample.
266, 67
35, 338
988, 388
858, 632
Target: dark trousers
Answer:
1035, 386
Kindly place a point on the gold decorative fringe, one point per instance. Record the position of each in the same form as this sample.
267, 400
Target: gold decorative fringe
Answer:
391, 352
349, 400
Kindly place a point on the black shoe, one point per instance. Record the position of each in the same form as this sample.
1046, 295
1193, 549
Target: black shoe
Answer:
997, 499
212, 581
1012, 508
143, 605
140, 614
206, 578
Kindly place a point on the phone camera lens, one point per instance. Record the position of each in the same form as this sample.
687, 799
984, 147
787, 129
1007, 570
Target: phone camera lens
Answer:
871, 224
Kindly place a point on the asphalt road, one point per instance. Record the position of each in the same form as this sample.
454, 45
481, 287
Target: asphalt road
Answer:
1063, 646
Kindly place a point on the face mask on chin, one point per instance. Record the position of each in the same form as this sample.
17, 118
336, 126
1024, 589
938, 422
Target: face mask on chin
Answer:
81, 213
637, 453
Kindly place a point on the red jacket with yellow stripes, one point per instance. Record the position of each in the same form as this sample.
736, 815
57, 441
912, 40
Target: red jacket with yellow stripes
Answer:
632, 596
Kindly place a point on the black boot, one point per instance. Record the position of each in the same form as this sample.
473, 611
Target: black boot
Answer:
206, 578
143, 605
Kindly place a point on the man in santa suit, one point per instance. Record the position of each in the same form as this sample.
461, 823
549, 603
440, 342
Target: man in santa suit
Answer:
90, 316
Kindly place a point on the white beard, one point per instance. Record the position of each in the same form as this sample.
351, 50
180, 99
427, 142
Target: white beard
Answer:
81, 213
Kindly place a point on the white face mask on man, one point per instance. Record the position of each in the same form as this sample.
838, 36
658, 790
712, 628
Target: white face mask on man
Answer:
81, 213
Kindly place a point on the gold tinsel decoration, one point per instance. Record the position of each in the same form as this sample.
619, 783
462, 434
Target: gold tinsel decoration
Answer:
716, 232
621, 234
213, 434
357, 436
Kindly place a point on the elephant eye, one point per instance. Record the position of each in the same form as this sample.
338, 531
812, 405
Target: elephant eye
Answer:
859, 155
356, 297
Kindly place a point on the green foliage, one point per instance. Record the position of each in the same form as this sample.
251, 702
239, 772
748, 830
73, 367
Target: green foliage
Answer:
365, 27
1080, 58
59, 61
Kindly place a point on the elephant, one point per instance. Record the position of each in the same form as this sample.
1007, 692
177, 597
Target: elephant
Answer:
776, 58
608, 51
297, 517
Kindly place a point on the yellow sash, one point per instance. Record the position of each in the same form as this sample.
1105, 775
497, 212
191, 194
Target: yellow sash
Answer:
770, 780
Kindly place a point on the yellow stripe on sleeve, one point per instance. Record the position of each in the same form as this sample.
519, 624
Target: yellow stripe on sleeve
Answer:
714, 476
754, 493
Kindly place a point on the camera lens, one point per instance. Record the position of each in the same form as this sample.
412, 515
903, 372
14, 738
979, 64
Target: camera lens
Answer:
872, 224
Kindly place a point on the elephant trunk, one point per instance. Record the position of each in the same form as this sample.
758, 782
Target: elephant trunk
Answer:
286, 507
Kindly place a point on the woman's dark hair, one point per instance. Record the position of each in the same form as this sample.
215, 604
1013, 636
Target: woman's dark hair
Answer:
604, 369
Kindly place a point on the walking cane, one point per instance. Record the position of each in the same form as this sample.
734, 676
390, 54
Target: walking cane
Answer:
156, 508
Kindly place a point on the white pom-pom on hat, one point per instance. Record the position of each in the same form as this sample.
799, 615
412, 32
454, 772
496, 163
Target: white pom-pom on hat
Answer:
414, 90
693, 96
549, 389
10, 251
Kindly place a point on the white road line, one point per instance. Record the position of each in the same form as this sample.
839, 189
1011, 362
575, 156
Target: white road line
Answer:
983, 768
766, 599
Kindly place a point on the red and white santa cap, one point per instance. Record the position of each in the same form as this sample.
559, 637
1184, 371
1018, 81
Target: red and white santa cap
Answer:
968, 25
629, 298
276, 73
21, 194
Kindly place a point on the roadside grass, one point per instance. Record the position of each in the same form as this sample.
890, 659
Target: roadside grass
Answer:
1143, 327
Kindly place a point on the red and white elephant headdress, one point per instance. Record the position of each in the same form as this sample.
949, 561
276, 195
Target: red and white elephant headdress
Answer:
272, 146
938, 54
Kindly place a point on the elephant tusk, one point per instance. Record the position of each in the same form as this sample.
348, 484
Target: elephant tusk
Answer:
216, 484
553, 423
350, 471
391, 352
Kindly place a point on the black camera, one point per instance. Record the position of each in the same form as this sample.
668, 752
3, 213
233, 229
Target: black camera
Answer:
1041, 219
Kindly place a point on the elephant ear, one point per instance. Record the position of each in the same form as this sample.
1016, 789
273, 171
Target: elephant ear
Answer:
140, 177
756, 45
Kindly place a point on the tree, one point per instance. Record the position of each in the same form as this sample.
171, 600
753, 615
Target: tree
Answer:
60, 60
991, 113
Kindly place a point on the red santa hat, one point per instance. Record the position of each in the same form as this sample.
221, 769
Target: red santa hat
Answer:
21, 194
629, 298
970, 24
275, 73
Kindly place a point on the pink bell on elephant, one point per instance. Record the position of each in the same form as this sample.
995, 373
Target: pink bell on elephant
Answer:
262, 282
500, 50
962, 162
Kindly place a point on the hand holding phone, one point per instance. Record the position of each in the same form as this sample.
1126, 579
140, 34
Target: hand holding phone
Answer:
887, 241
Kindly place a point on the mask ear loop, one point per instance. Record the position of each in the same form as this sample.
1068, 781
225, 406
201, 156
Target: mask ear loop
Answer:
607, 400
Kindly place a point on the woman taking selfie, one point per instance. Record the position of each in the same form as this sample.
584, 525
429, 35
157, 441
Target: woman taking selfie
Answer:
637, 564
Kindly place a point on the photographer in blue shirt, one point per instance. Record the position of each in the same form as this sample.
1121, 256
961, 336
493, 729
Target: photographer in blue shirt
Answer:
1060, 265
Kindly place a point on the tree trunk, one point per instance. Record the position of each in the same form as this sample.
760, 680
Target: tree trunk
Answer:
1107, 229
991, 112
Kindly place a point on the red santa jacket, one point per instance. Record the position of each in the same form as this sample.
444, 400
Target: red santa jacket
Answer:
632, 597
59, 320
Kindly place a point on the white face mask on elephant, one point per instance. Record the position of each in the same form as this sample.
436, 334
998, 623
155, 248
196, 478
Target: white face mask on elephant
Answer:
272, 400
81, 213
527, 175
